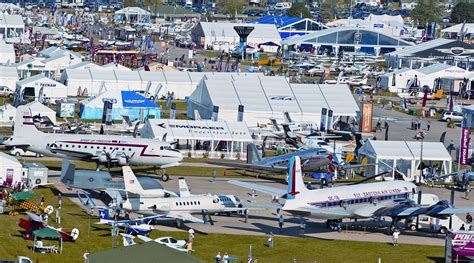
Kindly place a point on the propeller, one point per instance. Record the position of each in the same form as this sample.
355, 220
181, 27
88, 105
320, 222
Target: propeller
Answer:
135, 130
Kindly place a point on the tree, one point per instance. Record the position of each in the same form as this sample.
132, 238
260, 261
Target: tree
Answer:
462, 11
299, 10
234, 6
428, 11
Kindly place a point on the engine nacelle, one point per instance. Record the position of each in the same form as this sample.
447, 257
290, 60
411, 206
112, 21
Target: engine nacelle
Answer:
102, 158
122, 160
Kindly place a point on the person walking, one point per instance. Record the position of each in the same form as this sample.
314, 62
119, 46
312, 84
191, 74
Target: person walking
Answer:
218, 257
60, 200
281, 221
42, 200
302, 227
395, 236
428, 125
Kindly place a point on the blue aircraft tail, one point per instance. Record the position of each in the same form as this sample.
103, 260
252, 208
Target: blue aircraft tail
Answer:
103, 213
295, 178
88, 202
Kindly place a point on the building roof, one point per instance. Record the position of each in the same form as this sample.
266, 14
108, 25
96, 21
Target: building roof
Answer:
468, 28
420, 47
132, 11
278, 21
346, 35
146, 252
434, 68
265, 32
8, 160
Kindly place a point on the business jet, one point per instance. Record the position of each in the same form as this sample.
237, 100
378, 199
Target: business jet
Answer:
180, 208
394, 199
109, 150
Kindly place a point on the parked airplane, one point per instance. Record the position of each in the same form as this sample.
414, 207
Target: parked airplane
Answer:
139, 226
103, 149
128, 240
394, 199
102, 181
180, 208
313, 160
36, 222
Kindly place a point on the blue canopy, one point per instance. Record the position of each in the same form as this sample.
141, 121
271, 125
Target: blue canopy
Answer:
133, 99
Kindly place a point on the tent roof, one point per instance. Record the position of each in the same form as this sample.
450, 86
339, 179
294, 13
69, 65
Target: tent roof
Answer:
468, 28
35, 78
9, 72
278, 21
121, 98
339, 99
434, 68
36, 106
116, 66
408, 150
266, 32
47, 233
11, 20
133, 10
146, 252
8, 160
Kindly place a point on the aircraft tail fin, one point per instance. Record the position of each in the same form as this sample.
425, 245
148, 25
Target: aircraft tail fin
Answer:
131, 182
295, 178
103, 214
183, 188
275, 125
288, 117
67, 172
286, 130
88, 201
253, 155
24, 125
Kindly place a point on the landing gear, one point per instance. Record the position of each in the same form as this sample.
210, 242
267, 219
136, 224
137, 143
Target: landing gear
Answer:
334, 225
165, 177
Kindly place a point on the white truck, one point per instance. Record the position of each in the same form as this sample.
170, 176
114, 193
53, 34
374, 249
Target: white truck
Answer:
19, 259
437, 225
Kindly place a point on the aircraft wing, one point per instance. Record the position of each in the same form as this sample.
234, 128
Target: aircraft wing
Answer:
315, 212
252, 167
74, 154
144, 238
260, 205
456, 210
184, 216
139, 220
260, 188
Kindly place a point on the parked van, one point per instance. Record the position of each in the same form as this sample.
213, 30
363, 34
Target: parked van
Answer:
436, 224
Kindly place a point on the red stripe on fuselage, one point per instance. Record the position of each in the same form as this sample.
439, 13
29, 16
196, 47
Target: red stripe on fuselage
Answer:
293, 181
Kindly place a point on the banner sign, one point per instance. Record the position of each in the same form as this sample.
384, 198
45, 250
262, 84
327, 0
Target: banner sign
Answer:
464, 152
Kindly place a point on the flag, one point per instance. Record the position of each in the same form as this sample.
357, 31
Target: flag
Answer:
425, 97
451, 102
168, 101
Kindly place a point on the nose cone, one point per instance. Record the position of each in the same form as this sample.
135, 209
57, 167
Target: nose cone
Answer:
178, 156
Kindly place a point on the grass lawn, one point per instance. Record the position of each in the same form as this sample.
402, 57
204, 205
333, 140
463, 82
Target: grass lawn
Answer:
206, 245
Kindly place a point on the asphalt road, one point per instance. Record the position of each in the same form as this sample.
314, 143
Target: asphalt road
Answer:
262, 222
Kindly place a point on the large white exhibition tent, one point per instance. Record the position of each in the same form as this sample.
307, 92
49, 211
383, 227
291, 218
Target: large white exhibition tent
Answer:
269, 97
39, 109
9, 77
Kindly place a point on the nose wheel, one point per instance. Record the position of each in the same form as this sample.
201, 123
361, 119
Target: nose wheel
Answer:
164, 176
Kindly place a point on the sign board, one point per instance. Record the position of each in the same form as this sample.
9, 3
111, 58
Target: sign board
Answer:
464, 152
366, 121
324, 113
456, 240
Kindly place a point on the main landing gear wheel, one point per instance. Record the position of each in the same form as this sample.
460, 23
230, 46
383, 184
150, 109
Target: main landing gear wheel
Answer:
165, 177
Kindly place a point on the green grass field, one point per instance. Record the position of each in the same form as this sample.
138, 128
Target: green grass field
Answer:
97, 238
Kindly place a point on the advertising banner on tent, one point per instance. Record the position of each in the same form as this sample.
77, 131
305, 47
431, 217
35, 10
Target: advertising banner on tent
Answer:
464, 152
366, 121
107, 113
324, 113
329, 126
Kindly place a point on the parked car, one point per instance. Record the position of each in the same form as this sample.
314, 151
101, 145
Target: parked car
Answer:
452, 116
20, 152
4, 91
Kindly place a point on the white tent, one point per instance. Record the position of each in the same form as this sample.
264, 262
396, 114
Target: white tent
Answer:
198, 137
39, 109
269, 97
403, 157
116, 66
11, 170
7, 54
33, 86
9, 77
222, 36
7, 114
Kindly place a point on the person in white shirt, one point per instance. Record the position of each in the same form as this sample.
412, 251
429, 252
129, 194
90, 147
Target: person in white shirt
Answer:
218, 257
226, 256
395, 236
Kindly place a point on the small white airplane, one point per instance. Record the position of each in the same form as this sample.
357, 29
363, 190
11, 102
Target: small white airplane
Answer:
180, 208
109, 150
395, 199
128, 240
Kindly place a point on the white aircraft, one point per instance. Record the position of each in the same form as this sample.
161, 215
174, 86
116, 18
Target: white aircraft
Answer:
103, 149
128, 240
180, 208
394, 199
